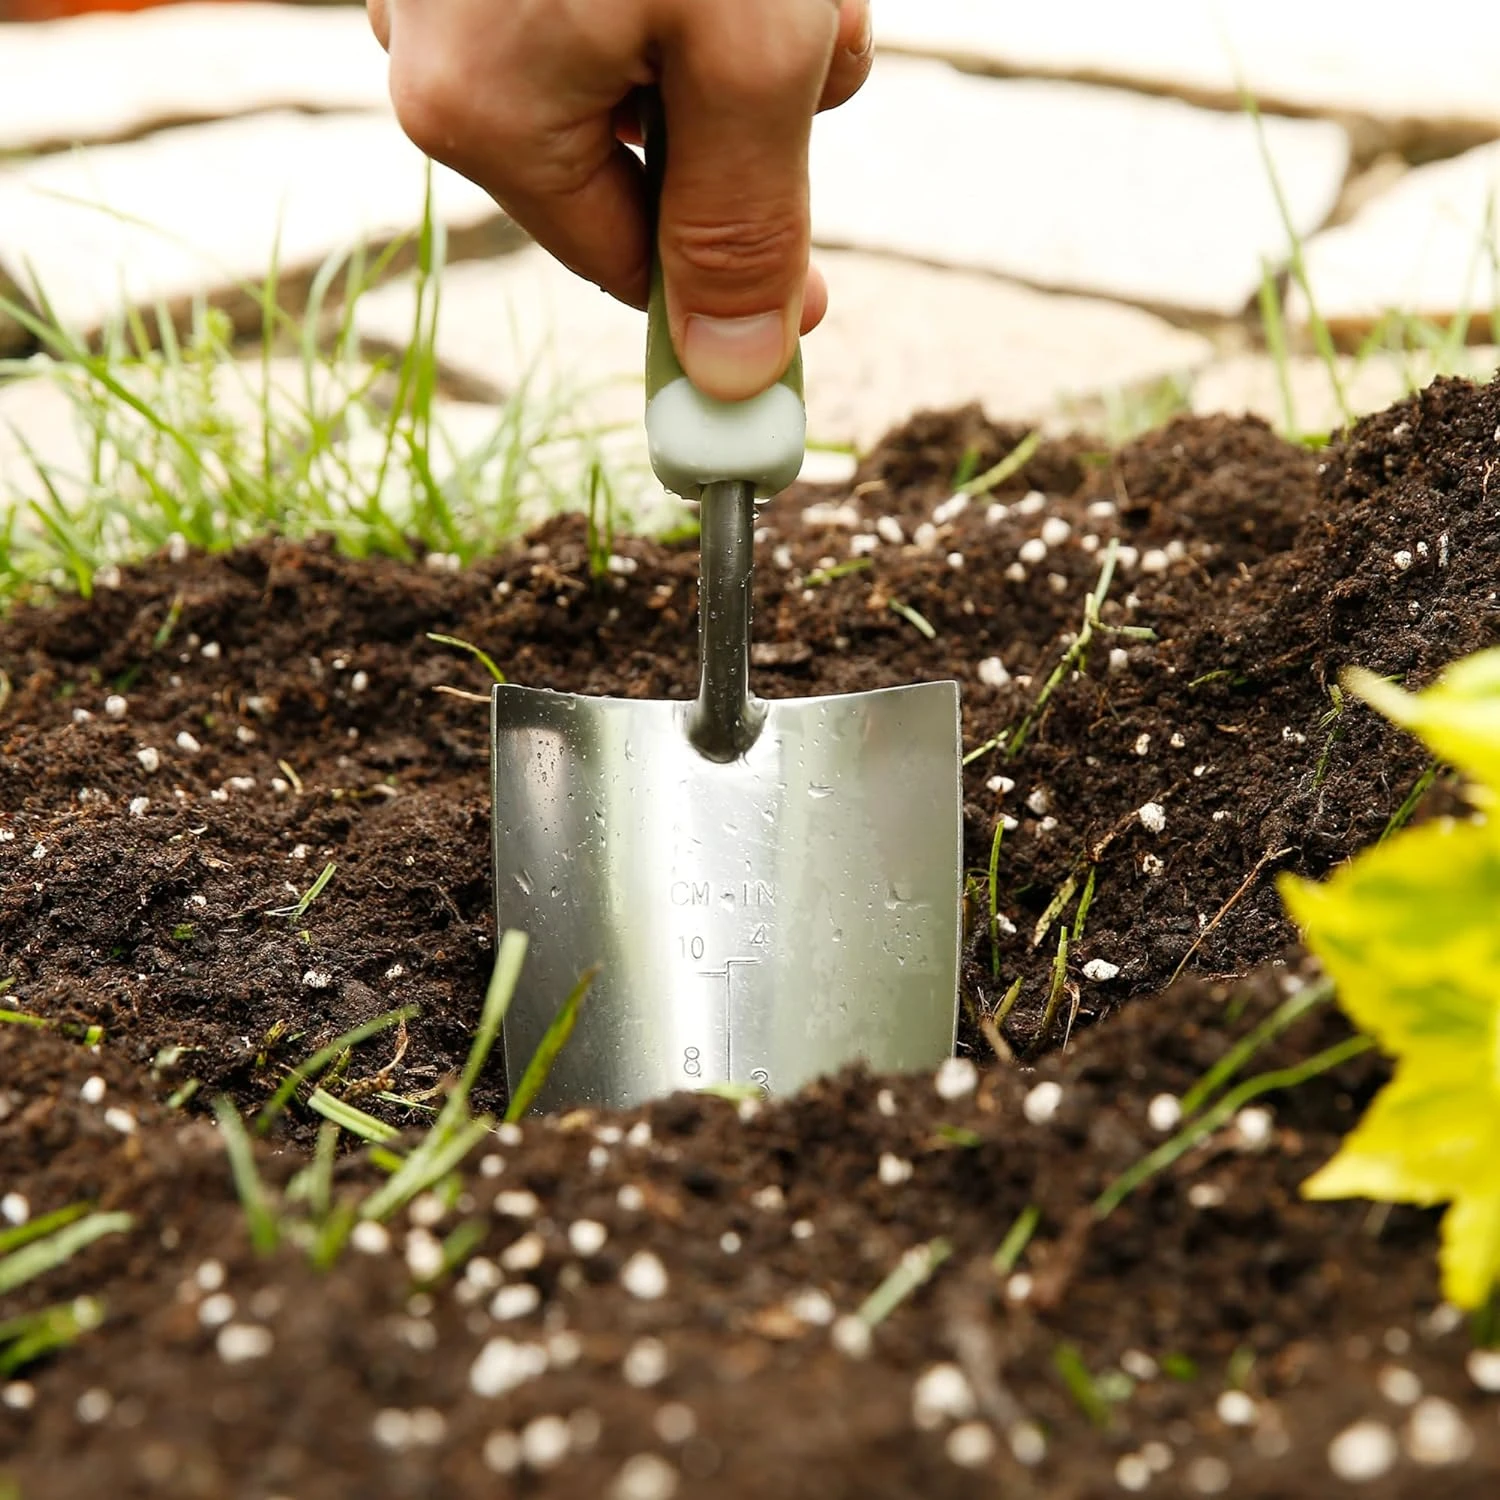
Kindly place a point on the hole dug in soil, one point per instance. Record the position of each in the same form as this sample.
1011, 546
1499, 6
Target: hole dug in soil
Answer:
279, 713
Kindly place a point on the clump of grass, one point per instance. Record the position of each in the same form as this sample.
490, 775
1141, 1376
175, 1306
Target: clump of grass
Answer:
314, 1066
431, 1163
185, 441
32, 1250
1075, 658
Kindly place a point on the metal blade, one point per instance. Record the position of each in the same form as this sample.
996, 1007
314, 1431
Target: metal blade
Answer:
765, 920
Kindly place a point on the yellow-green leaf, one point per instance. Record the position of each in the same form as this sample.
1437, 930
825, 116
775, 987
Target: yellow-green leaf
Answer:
1470, 1256
1458, 717
1425, 1139
1409, 930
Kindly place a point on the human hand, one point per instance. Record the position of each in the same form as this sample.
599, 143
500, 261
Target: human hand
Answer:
531, 100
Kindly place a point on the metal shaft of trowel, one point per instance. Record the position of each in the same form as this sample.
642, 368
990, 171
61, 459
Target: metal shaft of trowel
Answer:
725, 720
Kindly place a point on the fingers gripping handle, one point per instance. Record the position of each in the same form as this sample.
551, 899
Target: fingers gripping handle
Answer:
693, 439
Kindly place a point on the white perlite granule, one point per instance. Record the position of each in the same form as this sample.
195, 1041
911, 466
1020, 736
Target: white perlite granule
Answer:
991, 672
971, 1445
644, 1477
645, 1363
644, 1276
238, 1342
956, 1077
1362, 1452
942, 1393
1042, 1102
851, 1336
1437, 1433
587, 1236
1153, 817
503, 1365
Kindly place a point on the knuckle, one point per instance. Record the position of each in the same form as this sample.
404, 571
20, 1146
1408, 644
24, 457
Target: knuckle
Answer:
744, 247
427, 95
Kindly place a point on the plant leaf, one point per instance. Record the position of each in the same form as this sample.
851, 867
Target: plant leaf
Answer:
1470, 1256
1409, 932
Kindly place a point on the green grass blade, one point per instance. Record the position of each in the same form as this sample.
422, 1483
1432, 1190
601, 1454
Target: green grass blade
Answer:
1010, 465
312, 893
35, 1229
911, 1271
57, 1248
481, 656
26, 1339
919, 621
1286, 1015
1184, 1141
1068, 1363
438, 1155
552, 1043
355, 1121
1017, 1237
497, 998
264, 1233
1322, 339
22, 1018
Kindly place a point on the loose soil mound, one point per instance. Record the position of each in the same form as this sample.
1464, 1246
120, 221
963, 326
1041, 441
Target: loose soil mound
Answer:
288, 697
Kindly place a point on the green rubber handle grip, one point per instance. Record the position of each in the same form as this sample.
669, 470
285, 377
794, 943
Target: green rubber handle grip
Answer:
695, 440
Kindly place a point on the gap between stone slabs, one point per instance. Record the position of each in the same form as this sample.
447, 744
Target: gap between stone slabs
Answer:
898, 337
1249, 384
1422, 248
104, 77
1424, 78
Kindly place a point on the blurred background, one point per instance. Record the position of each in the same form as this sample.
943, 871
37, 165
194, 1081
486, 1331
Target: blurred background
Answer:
1074, 214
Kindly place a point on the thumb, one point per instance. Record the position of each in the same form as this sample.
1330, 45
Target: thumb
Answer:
733, 232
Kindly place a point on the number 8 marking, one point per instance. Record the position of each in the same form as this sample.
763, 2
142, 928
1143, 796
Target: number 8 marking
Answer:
691, 1062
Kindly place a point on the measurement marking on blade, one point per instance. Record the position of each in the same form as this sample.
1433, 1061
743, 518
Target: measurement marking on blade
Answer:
727, 975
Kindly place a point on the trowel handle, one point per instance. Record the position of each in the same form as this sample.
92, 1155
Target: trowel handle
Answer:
693, 439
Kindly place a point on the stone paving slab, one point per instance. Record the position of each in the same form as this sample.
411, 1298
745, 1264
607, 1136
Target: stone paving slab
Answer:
207, 208
1249, 384
1423, 247
103, 77
898, 337
1416, 75
1068, 186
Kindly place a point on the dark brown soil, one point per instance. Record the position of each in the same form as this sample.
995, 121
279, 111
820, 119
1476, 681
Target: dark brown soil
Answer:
1261, 569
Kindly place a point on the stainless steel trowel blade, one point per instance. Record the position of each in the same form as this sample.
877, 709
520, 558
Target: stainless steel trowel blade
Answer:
762, 922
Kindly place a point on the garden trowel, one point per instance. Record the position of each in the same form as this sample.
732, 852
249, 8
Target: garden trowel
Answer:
770, 889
